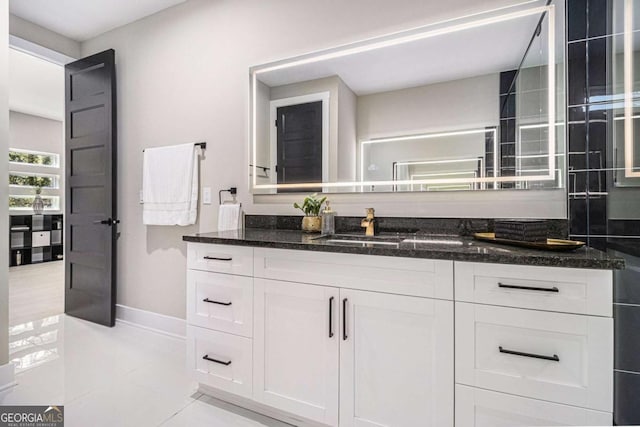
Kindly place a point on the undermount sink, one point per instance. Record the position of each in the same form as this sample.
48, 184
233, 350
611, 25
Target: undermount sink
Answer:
390, 240
435, 240
379, 238
360, 240
363, 243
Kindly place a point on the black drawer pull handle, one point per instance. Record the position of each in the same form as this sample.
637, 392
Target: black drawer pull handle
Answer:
554, 358
344, 319
214, 258
331, 317
527, 288
206, 357
216, 302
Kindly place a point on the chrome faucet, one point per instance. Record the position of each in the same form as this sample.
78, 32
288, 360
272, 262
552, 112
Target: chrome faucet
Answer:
368, 222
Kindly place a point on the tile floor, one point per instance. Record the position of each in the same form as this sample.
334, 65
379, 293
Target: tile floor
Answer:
36, 291
121, 376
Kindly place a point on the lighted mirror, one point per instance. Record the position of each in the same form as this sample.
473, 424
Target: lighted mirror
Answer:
623, 96
469, 104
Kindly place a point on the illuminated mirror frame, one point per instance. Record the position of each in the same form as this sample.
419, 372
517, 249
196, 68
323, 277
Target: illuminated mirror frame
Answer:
628, 92
406, 38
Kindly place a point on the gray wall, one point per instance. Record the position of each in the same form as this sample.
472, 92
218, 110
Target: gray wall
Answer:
183, 76
347, 130
37, 86
4, 217
456, 105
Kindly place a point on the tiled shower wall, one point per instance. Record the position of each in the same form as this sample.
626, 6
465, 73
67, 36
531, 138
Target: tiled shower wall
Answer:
604, 205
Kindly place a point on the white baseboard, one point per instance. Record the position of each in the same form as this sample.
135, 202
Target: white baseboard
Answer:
156, 322
251, 405
7, 376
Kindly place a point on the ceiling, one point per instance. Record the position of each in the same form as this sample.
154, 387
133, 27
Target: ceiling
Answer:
81, 20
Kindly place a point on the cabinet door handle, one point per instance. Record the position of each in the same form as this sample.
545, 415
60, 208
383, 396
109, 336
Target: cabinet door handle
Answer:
216, 302
331, 317
221, 362
527, 288
344, 319
214, 258
554, 358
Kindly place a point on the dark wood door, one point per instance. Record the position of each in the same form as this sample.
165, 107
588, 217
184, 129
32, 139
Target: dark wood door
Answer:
90, 254
300, 144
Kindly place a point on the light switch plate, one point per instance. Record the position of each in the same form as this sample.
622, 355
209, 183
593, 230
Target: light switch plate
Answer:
141, 197
206, 196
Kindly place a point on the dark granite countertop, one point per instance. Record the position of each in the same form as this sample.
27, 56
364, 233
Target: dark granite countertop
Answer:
432, 246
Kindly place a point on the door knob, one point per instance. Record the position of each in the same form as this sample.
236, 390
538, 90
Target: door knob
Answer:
108, 222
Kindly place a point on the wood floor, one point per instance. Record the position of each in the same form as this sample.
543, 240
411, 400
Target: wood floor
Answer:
35, 291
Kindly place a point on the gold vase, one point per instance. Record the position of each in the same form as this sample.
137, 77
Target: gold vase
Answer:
312, 224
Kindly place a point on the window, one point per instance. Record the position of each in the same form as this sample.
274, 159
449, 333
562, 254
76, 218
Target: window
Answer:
27, 178
34, 158
20, 179
26, 202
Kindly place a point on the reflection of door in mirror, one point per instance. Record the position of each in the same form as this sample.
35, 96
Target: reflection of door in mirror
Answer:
299, 144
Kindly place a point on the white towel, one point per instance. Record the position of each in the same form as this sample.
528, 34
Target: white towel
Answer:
229, 217
170, 185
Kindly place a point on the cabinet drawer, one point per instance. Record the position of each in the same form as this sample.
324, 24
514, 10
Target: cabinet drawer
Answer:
223, 302
483, 408
564, 358
220, 360
220, 258
40, 239
568, 290
404, 276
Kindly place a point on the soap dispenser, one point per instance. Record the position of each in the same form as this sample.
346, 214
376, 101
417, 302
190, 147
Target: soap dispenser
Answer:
328, 220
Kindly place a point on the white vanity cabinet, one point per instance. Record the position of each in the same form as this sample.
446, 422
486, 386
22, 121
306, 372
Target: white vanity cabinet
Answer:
534, 345
349, 340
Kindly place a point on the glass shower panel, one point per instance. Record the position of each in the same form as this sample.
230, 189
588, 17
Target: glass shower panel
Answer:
536, 154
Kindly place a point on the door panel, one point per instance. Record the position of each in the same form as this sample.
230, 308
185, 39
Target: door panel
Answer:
90, 104
396, 360
87, 161
295, 359
299, 144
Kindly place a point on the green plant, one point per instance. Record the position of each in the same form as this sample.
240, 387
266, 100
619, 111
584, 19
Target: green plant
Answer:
30, 158
31, 181
311, 205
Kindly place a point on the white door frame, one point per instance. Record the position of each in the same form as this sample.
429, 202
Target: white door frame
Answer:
295, 100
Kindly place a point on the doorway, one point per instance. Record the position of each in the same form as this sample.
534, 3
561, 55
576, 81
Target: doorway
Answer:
36, 172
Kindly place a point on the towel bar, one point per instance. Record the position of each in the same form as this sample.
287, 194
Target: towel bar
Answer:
202, 145
231, 190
